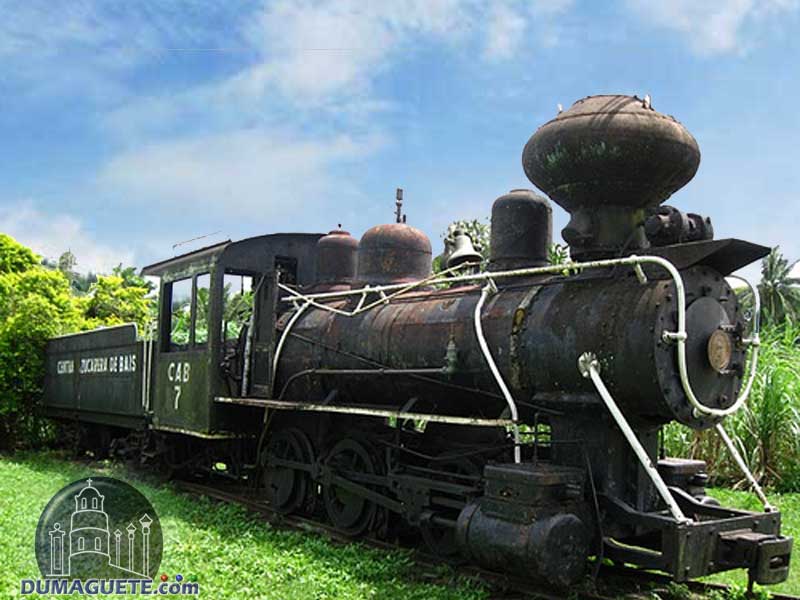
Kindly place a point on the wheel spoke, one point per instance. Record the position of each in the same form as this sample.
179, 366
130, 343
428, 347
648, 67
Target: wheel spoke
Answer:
348, 511
286, 488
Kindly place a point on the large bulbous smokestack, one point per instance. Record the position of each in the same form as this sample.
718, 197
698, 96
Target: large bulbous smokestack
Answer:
606, 161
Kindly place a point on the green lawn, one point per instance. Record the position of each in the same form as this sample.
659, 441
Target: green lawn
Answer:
234, 554
789, 505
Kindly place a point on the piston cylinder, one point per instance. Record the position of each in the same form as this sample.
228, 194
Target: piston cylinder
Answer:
552, 548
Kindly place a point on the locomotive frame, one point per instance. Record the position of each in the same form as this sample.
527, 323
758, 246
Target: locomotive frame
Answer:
511, 415
683, 554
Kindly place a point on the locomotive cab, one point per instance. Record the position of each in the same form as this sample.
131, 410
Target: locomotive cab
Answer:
217, 305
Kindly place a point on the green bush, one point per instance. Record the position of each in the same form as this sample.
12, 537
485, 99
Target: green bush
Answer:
14, 257
35, 305
111, 301
38, 302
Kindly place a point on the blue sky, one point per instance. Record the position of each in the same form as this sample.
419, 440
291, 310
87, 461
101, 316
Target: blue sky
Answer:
130, 126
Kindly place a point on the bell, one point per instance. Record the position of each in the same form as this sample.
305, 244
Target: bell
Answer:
463, 250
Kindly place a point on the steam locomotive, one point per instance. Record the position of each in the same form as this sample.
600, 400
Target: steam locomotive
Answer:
510, 415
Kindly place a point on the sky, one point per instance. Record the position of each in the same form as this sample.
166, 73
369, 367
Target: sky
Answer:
128, 127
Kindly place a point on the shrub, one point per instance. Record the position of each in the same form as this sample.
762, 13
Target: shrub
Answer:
35, 305
112, 301
14, 257
38, 302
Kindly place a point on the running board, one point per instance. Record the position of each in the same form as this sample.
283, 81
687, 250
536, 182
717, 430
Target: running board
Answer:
367, 412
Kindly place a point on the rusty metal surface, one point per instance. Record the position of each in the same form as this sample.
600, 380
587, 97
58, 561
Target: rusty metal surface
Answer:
610, 150
185, 382
710, 544
535, 340
552, 548
176, 263
605, 160
393, 253
668, 225
337, 260
615, 582
724, 256
522, 226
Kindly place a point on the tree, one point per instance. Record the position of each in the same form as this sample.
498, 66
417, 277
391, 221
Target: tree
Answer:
35, 305
82, 283
14, 257
66, 264
38, 301
113, 301
779, 291
558, 254
131, 279
49, 263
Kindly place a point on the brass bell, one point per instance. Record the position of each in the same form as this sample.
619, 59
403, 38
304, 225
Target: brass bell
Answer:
463, 250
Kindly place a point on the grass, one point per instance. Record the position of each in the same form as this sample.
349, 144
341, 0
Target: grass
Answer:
789, 505
235, 554
232, 553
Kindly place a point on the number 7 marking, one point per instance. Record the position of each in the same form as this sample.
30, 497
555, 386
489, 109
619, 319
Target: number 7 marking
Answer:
177, 395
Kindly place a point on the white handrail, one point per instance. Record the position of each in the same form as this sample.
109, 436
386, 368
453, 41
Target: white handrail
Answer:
679, 336
396, 289
490, 288
590, 368
281, 342
754, 340
737, 458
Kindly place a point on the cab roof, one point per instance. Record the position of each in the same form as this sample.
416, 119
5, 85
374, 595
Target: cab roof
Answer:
254, 254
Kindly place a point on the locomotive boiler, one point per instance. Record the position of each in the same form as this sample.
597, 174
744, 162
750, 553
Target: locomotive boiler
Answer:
510, 415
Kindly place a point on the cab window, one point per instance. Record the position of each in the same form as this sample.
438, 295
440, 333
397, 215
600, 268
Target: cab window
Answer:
180, 314
237, 304
202, 287
189, 305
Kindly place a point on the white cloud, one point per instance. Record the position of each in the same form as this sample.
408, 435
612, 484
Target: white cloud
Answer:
124, 33
504, 32
712, 27
263, 130
251, 139
324, 57
312, 50
509, 23
235, 172
52, 234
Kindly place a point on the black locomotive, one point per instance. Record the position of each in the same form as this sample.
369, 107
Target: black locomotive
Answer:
511, 415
